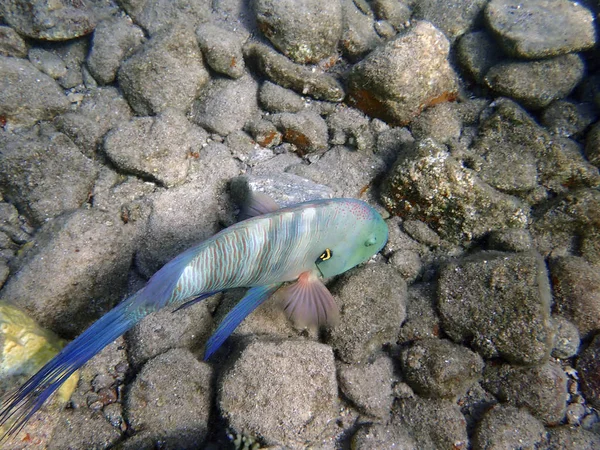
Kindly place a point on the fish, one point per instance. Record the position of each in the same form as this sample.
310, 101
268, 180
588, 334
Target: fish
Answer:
302, 244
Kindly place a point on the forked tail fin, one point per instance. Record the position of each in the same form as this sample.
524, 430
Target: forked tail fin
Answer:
18, 406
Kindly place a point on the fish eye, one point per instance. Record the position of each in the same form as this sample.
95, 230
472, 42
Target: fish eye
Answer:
371, 241
327, 254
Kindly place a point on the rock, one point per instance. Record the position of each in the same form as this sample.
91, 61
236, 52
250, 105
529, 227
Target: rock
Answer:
56, 21
422, 320
576, 288
226, 105
396, 13
452, 18
477, 53
167, 329
28, 95
284, 188
420, 232
305, 129
566, 339
280, 70
282, 392
73, 54
536, 84
114, 40
222, 50
567, 118
158, 148
432, 424
103, 109
384, 437
542, 390
369, 386
440, 123
588, 367
83, 258
166, 72
439, 368
572, 437
359, 34
429, 184
372, 302
44, 173
177, 222
408, 263
541, 28
397, 80
508, 427
47, 62
348, 126
264, 133
11, 44
247, 150
275, 98
512, 288
160, 15
305, 32
169, 400
510, 240
592, 145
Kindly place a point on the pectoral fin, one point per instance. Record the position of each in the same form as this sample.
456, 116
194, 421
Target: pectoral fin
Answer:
252, 300
257, 204
308, 303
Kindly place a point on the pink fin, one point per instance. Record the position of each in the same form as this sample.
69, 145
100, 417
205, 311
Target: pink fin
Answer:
258, 204
308, 302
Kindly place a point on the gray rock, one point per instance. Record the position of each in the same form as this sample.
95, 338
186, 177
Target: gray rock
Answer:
541, 28
226, 105
305, 32
453, 18
83, 258
542, 390
588, 368
511, 240
159, 15
422, 319
157, 148
567, 118
433, 424
536, 84
350, 127
222, 49
441, 123
11, 44
102, 109
477, 53
28, 95
264, 133
422, 233
474, 404
167, 72
169, 400
73, 54
55, 21
384, 437
572, 437
44, 173
512, 288
306, 130
167, 329
280, 70
11, 224
508, 427
187, 214
247, 150
47, 62
408, 263
428, 184
275, 98
404, 75
396, 13
122, 195
283, 392
369, 386
284, 188
592, 145
113, 41
566, 338
372, 303
359, 34
439, 368
576, 289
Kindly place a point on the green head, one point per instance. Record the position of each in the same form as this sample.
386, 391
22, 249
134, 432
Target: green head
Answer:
364, 233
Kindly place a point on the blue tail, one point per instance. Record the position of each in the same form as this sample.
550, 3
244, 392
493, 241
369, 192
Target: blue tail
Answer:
18, 407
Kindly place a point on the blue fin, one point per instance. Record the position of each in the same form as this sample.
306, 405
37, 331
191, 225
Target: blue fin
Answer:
257, 204
195, 300
252, 300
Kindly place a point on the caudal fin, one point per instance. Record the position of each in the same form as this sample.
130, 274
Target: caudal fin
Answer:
18, 406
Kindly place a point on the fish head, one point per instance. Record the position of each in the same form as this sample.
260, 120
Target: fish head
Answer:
361, 238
